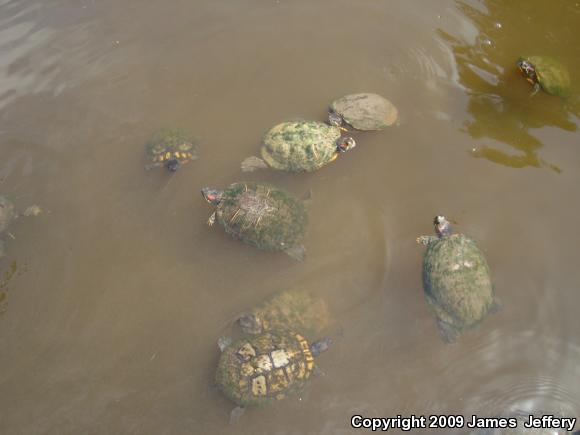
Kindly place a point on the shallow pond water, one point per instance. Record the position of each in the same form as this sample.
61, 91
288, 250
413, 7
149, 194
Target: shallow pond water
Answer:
114, 297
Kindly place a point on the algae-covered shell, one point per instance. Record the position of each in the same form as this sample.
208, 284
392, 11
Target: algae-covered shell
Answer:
552, 76
365, 111
259, 369
300, 145
262, 215
7, 213
298, 310
457, 283
169, 144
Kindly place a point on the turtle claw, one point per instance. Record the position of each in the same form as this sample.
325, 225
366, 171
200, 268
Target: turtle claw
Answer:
235, 415
424, 240
211, 220
448, 333
296, 252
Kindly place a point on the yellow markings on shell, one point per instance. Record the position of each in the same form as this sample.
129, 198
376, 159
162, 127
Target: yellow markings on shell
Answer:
259, 387
280, 358
333, 158
167, 155
301, 370
246, 351
246, 369
263, 364
309, 362
278, 381
291, 372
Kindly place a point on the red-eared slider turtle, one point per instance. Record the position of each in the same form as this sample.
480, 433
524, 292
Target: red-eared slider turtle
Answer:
456, 280
261, 215
171, 147
259, 369
299, 146
363, 111
546, 73
7, 215
298, 310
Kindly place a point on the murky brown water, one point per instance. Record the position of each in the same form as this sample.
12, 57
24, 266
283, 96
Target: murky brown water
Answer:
121, 291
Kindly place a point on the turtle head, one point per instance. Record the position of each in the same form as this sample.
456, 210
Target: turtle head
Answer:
442, 226
211, 195
172, 164
528, 71
250, 324
334, 119
344, 144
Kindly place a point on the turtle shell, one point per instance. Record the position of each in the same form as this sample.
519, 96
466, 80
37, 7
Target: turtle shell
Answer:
366, 111
7, 213
457, 283
297, 310
259, 369
552, 75
262, 215
300, 145
171, 143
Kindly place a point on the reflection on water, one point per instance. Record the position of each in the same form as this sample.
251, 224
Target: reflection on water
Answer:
502, 105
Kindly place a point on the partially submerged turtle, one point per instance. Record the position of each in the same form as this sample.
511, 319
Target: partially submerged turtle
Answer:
456, 280
259, 369
545, 73
171, 147
7, 215
261, 215
364, 111
299, 146
297, 310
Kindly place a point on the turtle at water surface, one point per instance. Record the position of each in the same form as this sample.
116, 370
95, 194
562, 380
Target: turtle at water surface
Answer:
456, 280
259, 369
171, 147
299, 146
363, 111
297, 310
546, 73
261, 215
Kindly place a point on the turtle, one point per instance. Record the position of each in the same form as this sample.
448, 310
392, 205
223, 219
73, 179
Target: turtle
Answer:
7, 215
299, 146
363, 111
456, 280
259, 369
171, 147
545, 73
298, 310
261, 215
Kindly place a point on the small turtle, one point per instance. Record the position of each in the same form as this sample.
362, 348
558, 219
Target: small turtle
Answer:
7, 215
259, 369
171, 148
298, 310
299, 146
545, 73
261, 215
456, 280
363, 112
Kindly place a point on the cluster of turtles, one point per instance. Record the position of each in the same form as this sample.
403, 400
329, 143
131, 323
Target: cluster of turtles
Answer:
275, 354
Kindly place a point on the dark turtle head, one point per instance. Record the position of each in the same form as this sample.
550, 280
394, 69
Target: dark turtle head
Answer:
528, 71
334, 119
211, 195
172, 164
442, 226
250, 324
344, 144
320, 346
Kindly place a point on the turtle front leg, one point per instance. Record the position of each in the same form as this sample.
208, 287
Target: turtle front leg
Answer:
536, 89
211, 219
425, 240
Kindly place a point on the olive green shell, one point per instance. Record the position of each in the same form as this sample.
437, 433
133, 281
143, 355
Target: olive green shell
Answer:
552, 75
300, 146
297, 310
366, 111
169, 143
259, 369
262, 215
457, 282
7, 213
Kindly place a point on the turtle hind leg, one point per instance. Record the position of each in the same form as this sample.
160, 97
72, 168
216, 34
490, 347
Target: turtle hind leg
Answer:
253, 163
235, 415
448, 333
297, 252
